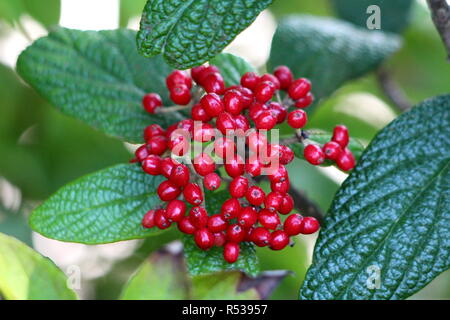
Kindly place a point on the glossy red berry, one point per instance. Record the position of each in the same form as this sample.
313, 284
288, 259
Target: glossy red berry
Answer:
168, 191
242, 122
278, 111
198, 113
293, 224
238, 187
247, 217
157, 145
268, 219
217, 223
235, 166
151, 102
309, 225
305, 102
235, 233
279, 174
180, 175
180, 94
153, 130
250, 80
149, 219
160, 219
167, 165
204, 164
264, 91
141, 153
257, 142
212, 181
284, 76
281, 187
199, 74
178, 77
175, 210
203, 132
278, 240
287, 204
220, 238
299, 88
152, 165
212, 103
196, 72
286, 155
260, 236
273, 201
185, 225
233, 102
297, 119
198, 217
230, 208
231, 252
271, 78
332, 150
224, 148
346, 161
265, 120
255, 195
253, 166
225, 123
341, 136
193, 194
214, 83
204, 239
314, 154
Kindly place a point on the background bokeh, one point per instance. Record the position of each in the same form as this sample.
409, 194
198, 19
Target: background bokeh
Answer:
41, 149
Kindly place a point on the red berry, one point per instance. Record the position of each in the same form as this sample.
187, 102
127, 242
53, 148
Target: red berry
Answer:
280, 174
242, 122
255, 195
271, 78
180, 175
152, 165
198, 113
197, 71
238, 187
268, 219
309, 225
231, 252
198, 217
204, 239
278, 240
273, 201
247, 217
224, 148
176, 78
212, 104
260, 236
202, 74
230, 208
265, 120
157, 145
235, 233
203, 132
149, 219
281, 187
340, 135
141, 153
284, 76
212, 181
256, 109
314, 154
264, 91
185, 226
253, 166
193, 194
219, 239
287, 204
217, 223
247, 95
297, 119
233, 101
153, 130
181, 94
204, 164
225, 123
278, 111
257, 141
167, 165
160, 219
299, 88
346, 161
286, 155
332, 150
175, 210
151, 101
168, 191
305, 101
235, 166
214, 83
250, 80
293, 224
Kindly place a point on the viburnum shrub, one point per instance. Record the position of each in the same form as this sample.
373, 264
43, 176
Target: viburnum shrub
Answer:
235, 122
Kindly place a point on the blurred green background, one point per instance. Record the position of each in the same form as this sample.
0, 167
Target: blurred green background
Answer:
41, 149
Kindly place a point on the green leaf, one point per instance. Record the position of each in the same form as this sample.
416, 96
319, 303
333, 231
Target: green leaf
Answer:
189, 33
231, 67
48, 15
97, 77
26, 275
394, 14
201, 262
328, 51
391, 215
106, 206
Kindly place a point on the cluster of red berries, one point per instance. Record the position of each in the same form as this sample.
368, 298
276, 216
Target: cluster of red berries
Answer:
249, 214
334, 150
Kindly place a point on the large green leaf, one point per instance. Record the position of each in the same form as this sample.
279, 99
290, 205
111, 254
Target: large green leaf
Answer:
391, 215
26, 275
231, 67
328, 51
191, 32
394, 14
97, 77
106, 206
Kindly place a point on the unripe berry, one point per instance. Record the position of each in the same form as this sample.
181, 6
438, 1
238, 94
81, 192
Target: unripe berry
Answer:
306, 101
168, 191
152, 165
268, 219
151, 102
204, 239
198, 217
235, 166
160, 219
185, 225
284, 76
299, 88
332, 150
264, 91
250, 80
255, 195
340, 135
180, 175
287, 204
309, 225
231, 252
212, 181
260, 236
293, 224
204, 164
273, 201
235, 233
346, 161
180, 94
193, 194
314, 154
247, 217
175, 210
238, 187
148, 221
278, 240
233, 102
153, 130
217, 223
212, 104
297, 119
225, 123
230, 208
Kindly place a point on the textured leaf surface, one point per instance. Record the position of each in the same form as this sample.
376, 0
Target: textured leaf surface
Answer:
201, 262
26, 275
394, 14
392, 214
191, 32
231, 67
328, 51
97, 77
106, 206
